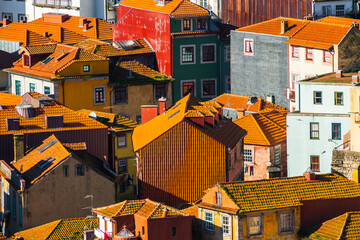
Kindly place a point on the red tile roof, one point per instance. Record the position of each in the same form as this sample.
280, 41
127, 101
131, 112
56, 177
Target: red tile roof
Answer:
266, 128
9, 99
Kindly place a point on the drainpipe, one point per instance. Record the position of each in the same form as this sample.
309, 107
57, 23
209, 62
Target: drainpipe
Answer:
111, 99
106, 10
313, 9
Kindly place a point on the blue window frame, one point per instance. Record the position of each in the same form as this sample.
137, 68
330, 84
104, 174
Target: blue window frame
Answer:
46, 90
336, 131
17, 87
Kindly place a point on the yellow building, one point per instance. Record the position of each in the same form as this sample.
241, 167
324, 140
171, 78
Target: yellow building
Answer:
273, 208
121, 155
355, 118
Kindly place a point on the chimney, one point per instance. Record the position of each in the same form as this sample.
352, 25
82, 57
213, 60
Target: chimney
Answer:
46, 34
270, 98
19, 146
148, 112
359, 74
162, 105
309, 175
165, 211
355, 78
82, 22
6, 22
54, 121
284, 26
338, 74
355, 25
86, 27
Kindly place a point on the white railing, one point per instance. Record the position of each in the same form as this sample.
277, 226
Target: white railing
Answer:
102, 235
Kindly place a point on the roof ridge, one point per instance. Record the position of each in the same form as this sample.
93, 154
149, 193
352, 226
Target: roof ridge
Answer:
344, 224
155, 209
60, 220
257, 124
122, 208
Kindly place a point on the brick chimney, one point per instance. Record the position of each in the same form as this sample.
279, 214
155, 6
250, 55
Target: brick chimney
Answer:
339, 74
19, 146
82, 22
284, 26
162, 105
6, 22
86, 26
148, 112
355, 78
309, 175
46, 34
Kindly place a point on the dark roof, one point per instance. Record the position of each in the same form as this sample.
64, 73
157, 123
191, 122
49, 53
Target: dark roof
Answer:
7, 59
225, 30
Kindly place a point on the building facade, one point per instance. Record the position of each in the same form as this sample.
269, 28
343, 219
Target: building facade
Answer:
340, 8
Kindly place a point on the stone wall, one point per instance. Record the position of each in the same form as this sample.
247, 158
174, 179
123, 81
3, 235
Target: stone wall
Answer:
343, 161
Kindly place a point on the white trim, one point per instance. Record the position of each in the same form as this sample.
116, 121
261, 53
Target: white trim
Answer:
181, 87
229, 224
181, 53
201, 53
94, 95
208, 96
212, 222
182, 24
248, 53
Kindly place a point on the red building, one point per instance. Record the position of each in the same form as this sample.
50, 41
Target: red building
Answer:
142, 219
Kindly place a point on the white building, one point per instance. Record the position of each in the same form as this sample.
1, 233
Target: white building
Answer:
212, 5
321, 120
17, 10
324, 8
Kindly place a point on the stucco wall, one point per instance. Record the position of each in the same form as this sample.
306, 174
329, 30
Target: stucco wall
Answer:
55, 196
266, 72
355, 118
25, 84
319, 4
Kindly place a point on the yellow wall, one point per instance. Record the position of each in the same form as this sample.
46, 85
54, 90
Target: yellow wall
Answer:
79, 94
355, 118
139, 95
76, 68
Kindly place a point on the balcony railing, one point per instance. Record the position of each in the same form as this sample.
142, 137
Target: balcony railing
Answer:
53, 3
102, 235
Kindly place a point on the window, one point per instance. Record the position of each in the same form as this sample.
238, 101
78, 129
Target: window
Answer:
277, 154
188, 87
326, 57
22, 17
227, 54
295, 53
27, 60
187, 25
122, 166
66, 170
294, 79
248, 47
79, 170
315, 163
235, 155
254, 225
336, 131
120, 95
317, 97
173, 231
208, 88
99, 95
286, 222
228, 84
46, 90
160, 91
208, 53
340, 10
251, 171
314, 130
218, 198
203, 3
339, 98
86, 68
209, 221
201, 23
47, 60
309, 54
248, 155
143, 230
121, 141
17, 87
32, 87
225, 224
7, 16
187, 54
326, 10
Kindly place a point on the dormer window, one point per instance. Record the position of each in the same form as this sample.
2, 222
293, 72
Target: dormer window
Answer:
27, 60
186, 25
201, 24
218, 198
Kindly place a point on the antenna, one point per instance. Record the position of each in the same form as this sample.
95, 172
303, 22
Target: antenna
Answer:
91, 203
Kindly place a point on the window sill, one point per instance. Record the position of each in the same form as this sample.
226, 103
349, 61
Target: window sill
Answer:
120, 103
205, 62
286, 233
102, 103
187, 63
256, 236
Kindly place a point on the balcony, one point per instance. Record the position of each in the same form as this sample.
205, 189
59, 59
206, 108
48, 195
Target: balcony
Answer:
102, 235
54, 3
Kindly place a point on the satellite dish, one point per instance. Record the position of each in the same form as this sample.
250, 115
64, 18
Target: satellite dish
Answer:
92, 115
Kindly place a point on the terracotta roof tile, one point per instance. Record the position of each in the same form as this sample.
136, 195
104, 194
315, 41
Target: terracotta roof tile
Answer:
265, 128
187, 8
331, 78
9, 99
277, 193
71, 228
40, 49
273, 26
23, 36
76, 146
338, 20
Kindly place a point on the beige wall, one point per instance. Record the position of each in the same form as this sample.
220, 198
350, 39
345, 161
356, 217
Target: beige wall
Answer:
355, 119
138, 95
56, 196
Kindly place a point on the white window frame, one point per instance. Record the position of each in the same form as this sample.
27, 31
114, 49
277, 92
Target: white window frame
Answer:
281, 222
208, 79
209, 224
181, 54
201, 53
249, 53
224, 224
218, 198
184, 81
227, 53
182, 25
292, 82
94, 93
22, 17
248, 155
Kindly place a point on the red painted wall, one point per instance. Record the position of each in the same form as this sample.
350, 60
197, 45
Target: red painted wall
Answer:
155, 27
314, 212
